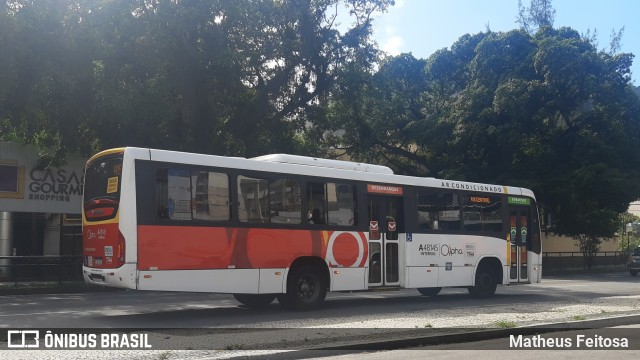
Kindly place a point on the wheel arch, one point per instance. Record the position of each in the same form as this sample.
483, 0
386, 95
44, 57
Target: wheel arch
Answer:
314, 261
492, 264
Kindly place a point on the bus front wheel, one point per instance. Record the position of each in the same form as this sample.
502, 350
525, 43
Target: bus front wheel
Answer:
306, 289
255, 300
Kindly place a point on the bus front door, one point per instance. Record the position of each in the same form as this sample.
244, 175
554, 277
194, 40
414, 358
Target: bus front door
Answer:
385, 223
519, 219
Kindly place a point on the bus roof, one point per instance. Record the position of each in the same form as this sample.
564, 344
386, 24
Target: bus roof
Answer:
324, 163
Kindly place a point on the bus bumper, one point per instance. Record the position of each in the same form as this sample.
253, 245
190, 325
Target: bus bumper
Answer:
122, 277
536, 274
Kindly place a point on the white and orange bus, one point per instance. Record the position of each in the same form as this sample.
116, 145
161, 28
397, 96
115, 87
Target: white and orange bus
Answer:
296, 227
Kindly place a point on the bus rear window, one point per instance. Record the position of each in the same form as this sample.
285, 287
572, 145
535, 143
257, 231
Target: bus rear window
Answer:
102, 188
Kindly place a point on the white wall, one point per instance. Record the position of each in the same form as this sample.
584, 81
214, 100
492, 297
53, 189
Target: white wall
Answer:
56, 190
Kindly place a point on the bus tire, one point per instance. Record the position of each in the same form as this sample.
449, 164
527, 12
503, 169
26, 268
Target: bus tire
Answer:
486, 283
306, 289
255, 301
432, 291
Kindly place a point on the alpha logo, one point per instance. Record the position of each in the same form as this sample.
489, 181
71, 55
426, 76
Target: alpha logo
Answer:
21, 339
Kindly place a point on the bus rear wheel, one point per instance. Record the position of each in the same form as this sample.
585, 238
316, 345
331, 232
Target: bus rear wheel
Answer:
433, 291
255, 300
306, 289
486, 283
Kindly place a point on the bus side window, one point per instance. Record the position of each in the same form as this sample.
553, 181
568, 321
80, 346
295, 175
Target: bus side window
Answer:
173, 194
285, 201
482, 213
210, 196
449, 211
493, 215
341, 204
161, 194
427, 213
316, 202
253, 198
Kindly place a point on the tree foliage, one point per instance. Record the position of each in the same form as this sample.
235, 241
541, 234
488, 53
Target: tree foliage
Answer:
539, 14
546, 111
223, 77
537, 107
370, 116
629, 232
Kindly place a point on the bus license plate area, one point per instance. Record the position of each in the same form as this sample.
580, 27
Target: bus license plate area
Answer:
95, 277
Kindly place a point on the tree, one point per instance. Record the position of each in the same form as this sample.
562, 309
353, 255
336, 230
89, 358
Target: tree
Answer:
546, 111
539, 14
45, 79
629, 232
224, 77
573, 127
371, 116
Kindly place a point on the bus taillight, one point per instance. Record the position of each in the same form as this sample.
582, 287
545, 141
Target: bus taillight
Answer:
120, 254
100, 209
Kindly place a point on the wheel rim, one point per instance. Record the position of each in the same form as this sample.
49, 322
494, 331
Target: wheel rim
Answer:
307, 288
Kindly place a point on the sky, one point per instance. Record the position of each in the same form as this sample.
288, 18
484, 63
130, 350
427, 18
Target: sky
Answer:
421, 27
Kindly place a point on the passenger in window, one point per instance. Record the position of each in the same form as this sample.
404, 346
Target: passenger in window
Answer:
315, 217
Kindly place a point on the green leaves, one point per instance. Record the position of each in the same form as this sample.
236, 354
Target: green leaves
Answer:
223, 77
544, 111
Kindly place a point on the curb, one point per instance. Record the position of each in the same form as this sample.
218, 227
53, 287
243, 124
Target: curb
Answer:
69, 289
463, 336
475, 334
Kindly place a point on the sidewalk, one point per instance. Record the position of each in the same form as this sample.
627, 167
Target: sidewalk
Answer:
50, 287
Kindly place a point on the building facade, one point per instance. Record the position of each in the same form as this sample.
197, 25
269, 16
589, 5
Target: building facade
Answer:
39, 208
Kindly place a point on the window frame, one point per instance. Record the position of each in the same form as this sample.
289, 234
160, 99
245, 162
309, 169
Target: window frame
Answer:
147, 201
466, 199
418, 191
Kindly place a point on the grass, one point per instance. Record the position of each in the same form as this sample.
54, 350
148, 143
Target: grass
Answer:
579, 317
506, 324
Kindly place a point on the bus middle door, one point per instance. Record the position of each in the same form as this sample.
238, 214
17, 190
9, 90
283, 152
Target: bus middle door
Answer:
385, 223
520, 222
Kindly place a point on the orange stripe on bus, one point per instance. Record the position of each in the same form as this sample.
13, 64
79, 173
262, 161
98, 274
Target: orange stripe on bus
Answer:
186, 247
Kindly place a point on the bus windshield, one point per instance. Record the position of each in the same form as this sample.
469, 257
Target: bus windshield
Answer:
102, 188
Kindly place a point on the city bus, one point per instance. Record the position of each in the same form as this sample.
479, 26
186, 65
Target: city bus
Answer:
293, 228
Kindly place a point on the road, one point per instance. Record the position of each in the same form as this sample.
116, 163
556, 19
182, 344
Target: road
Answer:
365, 316
133, 309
